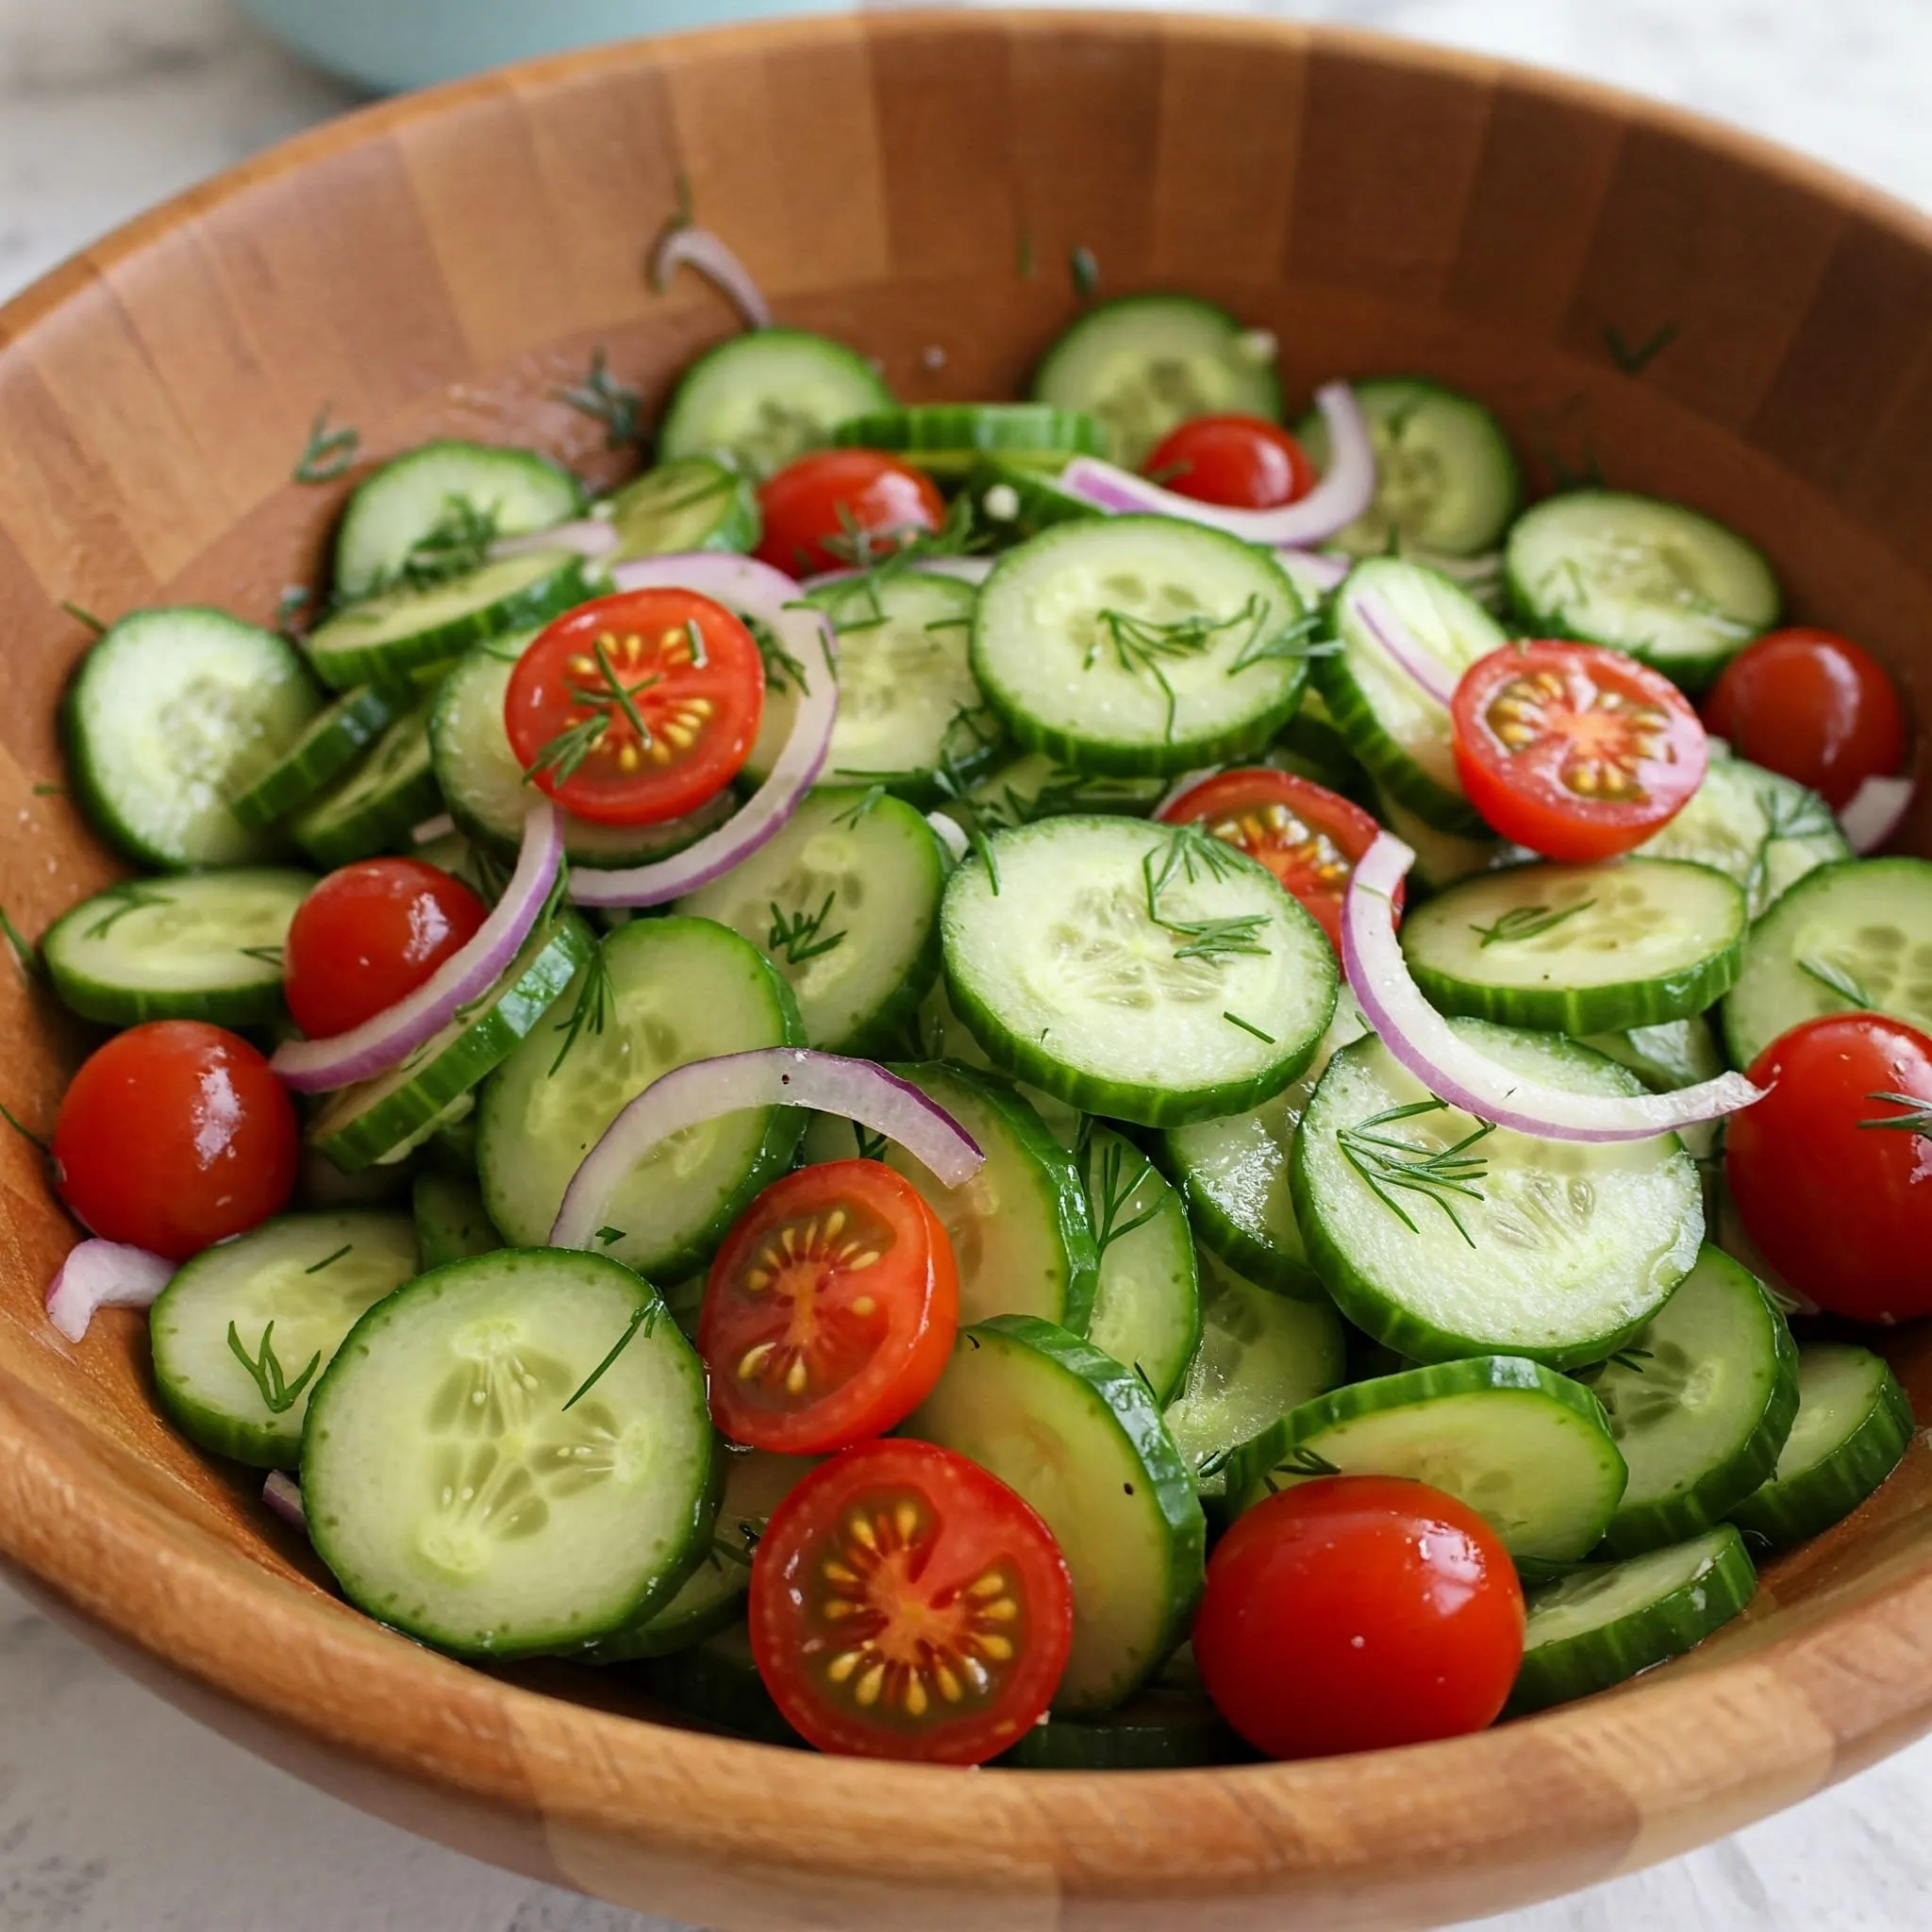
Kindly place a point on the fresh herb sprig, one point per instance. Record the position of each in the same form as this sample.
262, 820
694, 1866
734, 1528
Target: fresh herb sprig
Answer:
644, 1320
1834, 978
595, 1003
1118, 1186
453, 547
134, 895
602, 397
1144, 646
24, 948
1634, 359
1528, 923
1212, 939
1916, 1118
278, 1394
801, 935
330, 453
1393, 1166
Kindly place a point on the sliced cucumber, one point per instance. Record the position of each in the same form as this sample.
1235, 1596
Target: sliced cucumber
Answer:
1700, 1403
1019, 1227
1310, 746
763, 398
1012, 501
171, 714
1261, 1356
1053, 961
1664, 582
1442, 859
513, 1455
947, 438
1845, 937
1144, 364
1446, 479
1854, 1426
1580, 948
329, 743
939, 1034
383, 1119
845, 903
374, 808
1138, 646
395, 636
243, 1331
1234, 1173
1076, 1434
1398, 731
1679, 1053
1559, 1250
1528, 1449
1147, 1299
1606, 1621
1160, 1727
659, 993
694, 503
203, 946
452, 1224
1034, 787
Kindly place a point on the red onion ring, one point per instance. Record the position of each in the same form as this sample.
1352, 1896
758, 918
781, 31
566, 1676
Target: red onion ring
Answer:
690, 1095
1874, 813
104, 1275
1313, 572
1413, 657
682, 246
744, 584
590, 536
386, 1040
283, 1494
1332, 505
1452, 1070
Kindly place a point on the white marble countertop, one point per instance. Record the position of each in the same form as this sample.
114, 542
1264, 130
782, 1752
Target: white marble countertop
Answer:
117, 1815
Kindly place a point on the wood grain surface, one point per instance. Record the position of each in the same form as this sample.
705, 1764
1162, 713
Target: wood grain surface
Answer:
446, 265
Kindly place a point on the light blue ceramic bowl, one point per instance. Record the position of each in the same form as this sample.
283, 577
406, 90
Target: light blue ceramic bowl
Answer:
400, 43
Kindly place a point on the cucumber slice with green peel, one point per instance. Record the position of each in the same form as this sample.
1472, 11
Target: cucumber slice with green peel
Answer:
1442, 859
1399, 733
171, 714
1144, 364
1310, 745
481, 778
1207, 1007
1678, 1053
1234, 1173
1853, 1426
431, 491
1034, 787
1767, 831
1528, 1449
1012, 501
845, 903
1158, 1729
712, 1596
1147, 1297
200, 946
1019, 1228
947, 438
381, 1120
1261, 1356
1580, 948
1140, 645
939, 1034
451, 1222
1700, 1405
716, 1682
1661, 581
657, 995
1442, 1237
511, 1455
1606, 1622
396, 636
1078, 1437
329, 743
694, 503
244, 1330
765, 397
381, 801
1846, 937
1446, 479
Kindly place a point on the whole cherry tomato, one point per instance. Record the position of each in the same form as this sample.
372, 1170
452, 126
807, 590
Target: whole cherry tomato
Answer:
822, 511
1243, 461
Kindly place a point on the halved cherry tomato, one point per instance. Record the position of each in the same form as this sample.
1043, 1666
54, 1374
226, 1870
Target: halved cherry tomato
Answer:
1356, 1612
830, 1309
637, 707
1832, 1170
1244, 461
173, 1136
1813, 705
823, 510
368, 936
907, 1604
1576, 752
1308, 836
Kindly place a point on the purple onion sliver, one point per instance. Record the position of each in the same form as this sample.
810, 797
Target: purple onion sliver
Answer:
283, 1494
104, 1275
588, 536
1314, 572
1413, 657
1874, 813
699, 249
690, 1095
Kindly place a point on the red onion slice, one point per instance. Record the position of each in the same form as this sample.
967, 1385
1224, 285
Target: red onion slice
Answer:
743, 584
1332, 505
283, 1494
104, 1275
1452, 1070
684, 246
1413, 657
690, 1095
315, 1066
589, 536
1875, 812
1313, 572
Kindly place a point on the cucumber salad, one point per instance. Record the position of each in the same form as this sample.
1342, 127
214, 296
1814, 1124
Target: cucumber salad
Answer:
1079, 1081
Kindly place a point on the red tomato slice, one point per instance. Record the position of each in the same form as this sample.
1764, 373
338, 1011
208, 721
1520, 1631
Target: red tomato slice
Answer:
1577, 752
637, 707
830, 1309
1243, 461
907, 1604
836, 508
1308, 836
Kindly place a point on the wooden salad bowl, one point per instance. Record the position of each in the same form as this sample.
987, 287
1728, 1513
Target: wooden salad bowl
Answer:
1693, 312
